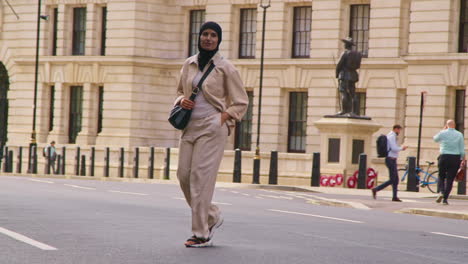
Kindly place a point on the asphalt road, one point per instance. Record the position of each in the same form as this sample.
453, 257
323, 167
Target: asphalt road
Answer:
48, 221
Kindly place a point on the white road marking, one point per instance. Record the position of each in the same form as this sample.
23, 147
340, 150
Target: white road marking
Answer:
131, 193
234, 192
34, 180
222, 203
179, 198
259, 197
318, 216
80, 187
276, 197
25, 239
449, 235
245, 194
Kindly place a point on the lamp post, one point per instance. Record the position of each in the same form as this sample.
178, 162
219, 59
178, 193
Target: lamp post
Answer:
256, 166
32, 168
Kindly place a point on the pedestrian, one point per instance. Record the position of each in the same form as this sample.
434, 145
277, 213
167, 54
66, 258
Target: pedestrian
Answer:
53, 156
452, 151
221, 101
391, 163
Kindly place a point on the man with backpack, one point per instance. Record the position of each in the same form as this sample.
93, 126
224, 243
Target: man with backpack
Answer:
391, 162
53, 155
346, 72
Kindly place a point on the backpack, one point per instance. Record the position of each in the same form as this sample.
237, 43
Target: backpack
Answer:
382, 149
44, 151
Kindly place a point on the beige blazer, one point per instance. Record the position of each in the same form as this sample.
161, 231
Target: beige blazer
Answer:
223, 88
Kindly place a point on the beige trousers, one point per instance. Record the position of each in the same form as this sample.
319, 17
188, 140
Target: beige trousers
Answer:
201, 149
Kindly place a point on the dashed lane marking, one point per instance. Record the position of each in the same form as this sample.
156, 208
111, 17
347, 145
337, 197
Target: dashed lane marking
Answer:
318, 216
130, 193
79, 187
222, 203
26, 239
449, 235
276, 197
43, 181
183, 199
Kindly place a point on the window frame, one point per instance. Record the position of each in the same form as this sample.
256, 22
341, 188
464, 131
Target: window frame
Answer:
51, 107
459, 113
294, 32
361, 28
194, 28
303, 119
79, 33
100, 108
253, 32
103, 30
54, 30
247, 120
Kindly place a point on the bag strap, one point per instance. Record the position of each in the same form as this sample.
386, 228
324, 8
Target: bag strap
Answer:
199, 85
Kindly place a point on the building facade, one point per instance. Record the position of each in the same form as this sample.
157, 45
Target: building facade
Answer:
108, 68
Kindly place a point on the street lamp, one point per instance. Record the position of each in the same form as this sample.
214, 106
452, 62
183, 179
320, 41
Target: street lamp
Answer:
32, 168
256, 168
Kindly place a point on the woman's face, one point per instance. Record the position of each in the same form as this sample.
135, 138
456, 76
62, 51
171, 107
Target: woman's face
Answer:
209, 39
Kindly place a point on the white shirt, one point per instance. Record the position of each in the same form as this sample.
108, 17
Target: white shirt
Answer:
392, 145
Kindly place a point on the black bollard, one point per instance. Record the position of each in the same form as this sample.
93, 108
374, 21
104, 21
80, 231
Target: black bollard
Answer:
106, 163
136, 161
412, 182
83, 165
64, 153
77, 161
48, 161
5, 161
237, 175
315, 181
462, 185
91, 161
59, 164
1, 155
151, 164
256, 170
167, 167
10, 161
273, 175
362, 176
121, 163
34, 158
20, 160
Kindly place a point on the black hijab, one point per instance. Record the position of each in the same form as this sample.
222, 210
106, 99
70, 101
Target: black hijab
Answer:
204, 56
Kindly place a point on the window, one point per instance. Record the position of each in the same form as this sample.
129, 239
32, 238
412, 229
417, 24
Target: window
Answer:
54, 35
100, 108
360, 104
76, 112
103, 31
51, 107
297, 122
463, 38
248, 30
197, 18
460, 110
359, 28
243, 139
301, 31
79, 31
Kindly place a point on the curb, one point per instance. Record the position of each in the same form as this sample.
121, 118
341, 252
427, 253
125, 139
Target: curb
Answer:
438, 213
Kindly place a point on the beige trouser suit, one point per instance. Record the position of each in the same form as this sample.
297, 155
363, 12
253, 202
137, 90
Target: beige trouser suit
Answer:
202, 141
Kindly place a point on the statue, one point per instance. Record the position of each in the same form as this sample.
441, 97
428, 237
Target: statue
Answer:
346, 72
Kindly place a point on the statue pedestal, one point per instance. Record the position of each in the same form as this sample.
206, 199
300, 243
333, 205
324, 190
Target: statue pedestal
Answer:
341, 142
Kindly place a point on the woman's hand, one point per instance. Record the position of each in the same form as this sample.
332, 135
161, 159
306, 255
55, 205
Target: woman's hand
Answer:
224, 117
187, 104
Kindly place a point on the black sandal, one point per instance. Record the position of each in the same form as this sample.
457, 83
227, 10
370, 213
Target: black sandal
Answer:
197, 242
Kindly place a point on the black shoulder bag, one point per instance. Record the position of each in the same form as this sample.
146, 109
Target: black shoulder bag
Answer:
179, 117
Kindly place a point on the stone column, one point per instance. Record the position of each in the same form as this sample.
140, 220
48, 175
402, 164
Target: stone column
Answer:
87, 136
59, 132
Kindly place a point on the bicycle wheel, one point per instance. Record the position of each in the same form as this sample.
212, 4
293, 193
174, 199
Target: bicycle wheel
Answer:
432, 181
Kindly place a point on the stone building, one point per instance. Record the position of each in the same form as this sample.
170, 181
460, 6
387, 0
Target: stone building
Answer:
108, 68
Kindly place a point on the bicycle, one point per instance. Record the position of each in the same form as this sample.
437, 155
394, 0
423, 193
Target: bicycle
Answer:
430, 180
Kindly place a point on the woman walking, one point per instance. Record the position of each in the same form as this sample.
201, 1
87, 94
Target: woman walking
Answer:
221, 101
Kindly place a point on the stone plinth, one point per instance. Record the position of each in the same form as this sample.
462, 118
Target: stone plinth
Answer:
341, 142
